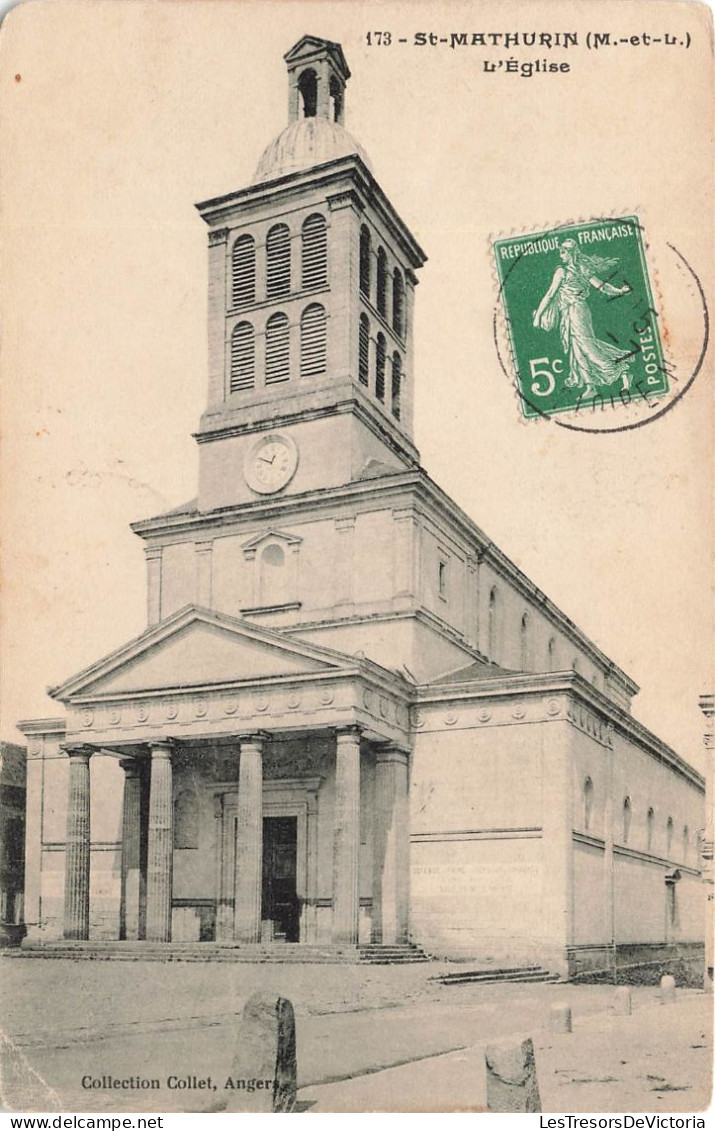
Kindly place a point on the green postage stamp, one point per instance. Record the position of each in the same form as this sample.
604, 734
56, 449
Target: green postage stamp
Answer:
580, 317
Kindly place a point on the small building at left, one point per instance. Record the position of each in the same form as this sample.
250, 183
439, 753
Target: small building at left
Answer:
12, 842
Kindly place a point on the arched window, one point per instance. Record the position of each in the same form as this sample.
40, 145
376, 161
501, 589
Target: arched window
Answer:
364, 351
396, 385
382, 281
314, 258
524, 642
650, 828
493, 625
398, 303
186, 819
626, 819
365, 258
686, 843
336, 98
551, 655
277, 349
312, 341
669, 836
587, 804
278, 261
243, 357
243, 271
273, 578
308, 87
380, 367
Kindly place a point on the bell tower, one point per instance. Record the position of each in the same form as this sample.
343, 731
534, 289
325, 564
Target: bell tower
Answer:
311, 286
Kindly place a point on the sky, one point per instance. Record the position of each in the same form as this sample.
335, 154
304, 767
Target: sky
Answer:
117, 117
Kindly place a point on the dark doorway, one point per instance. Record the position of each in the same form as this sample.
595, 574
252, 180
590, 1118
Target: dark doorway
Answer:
280, 900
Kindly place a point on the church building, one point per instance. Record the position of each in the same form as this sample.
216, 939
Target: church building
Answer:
351, 722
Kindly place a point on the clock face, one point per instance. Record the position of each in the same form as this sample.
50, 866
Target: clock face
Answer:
270, 464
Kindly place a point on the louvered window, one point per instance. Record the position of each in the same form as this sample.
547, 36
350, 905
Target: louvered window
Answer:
278, 262
312, 341
243, 271
380, 368
277, 349
382, 282
396, 384
243, 357
364, 351
398, 303
365, 254
315, 253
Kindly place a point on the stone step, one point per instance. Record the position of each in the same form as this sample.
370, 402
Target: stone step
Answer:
102, 950
491, 970
486, 977
391, 954
142, 951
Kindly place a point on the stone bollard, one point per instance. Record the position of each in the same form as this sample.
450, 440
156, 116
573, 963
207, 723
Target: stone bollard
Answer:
667, 989
264, 1074
511, 1076
622, 1002
560, 1020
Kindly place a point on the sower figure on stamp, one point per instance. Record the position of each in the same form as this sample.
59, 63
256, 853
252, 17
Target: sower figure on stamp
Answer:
591, 362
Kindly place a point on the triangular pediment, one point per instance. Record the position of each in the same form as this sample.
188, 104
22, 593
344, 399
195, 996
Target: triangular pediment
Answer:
311, 45
197, 647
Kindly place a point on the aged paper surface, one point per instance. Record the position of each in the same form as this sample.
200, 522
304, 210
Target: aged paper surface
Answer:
484, 124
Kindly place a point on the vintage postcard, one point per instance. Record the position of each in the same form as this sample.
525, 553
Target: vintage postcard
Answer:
357, 704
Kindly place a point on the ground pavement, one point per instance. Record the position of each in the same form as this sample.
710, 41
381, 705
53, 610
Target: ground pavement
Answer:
369, 1038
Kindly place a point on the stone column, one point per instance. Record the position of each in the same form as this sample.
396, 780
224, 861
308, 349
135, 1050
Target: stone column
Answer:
249, 840
707, 706
390, 884
161, 843
131, 840
224, 870
346, 837
76, 916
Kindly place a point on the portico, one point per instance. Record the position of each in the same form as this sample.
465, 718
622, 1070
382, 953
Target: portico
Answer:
321, 755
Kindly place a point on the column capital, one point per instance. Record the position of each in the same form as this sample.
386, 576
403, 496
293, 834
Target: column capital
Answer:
706, 704
81, 751
130, 767
350, 730
218, 236
161, 747
347, 199
254, 738
391, 752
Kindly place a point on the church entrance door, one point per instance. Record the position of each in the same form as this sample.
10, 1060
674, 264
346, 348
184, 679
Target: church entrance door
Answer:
280, 907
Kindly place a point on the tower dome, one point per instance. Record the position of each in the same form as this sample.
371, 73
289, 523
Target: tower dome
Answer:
317, 74
304, 143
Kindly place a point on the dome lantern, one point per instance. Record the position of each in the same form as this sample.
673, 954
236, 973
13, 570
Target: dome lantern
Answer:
317, 75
